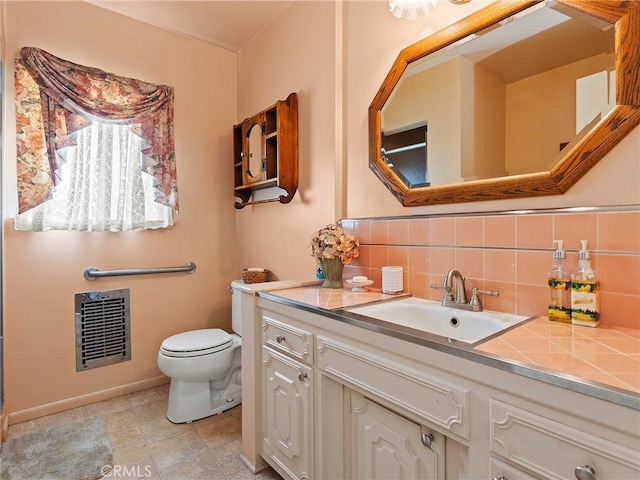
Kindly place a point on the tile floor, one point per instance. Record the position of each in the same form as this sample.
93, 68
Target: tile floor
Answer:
148, 446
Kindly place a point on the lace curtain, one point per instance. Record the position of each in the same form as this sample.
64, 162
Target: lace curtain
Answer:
98, 195
56, 103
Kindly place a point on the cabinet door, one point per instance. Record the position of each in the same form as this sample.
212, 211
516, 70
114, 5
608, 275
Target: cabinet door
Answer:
287, 414
386, 445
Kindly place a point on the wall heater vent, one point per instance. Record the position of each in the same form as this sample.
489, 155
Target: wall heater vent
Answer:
103, 331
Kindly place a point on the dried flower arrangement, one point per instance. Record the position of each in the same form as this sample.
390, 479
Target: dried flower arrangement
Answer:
332, 242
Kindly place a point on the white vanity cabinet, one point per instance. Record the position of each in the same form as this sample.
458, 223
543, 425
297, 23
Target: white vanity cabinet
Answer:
401, 416
342, 401
287, 354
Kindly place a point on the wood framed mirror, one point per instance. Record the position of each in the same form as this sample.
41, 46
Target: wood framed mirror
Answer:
486, 142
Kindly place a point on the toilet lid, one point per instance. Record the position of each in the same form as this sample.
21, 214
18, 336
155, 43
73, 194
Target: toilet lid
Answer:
196, 343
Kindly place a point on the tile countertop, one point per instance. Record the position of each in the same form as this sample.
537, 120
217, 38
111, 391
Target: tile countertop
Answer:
602, 357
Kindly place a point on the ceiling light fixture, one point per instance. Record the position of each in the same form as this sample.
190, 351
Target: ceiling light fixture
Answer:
412, 9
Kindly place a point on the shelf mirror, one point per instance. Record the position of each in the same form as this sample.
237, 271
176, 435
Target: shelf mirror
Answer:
520, 99
254, 166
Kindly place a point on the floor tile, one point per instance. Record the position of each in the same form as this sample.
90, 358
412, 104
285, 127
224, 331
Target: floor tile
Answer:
147, 412
128, 439
161, 428
200, 466
107, 407
60, 418
176, 449
149, 395
20, 428
147, 445
134, 463
118, 421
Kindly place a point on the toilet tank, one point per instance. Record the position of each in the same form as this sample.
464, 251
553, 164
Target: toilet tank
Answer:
236, 306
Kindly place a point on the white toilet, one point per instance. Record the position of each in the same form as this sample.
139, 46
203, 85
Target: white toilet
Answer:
205, 370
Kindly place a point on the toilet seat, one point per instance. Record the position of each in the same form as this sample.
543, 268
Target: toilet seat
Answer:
196, 343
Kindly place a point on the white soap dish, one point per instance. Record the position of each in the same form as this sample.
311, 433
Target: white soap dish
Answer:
359, 286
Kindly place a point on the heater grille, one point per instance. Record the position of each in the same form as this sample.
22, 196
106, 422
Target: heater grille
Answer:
103, 332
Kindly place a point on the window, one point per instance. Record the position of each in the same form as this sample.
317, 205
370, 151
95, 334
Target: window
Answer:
95, 151
102, 187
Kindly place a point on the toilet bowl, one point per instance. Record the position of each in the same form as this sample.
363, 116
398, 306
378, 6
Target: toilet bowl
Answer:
205, 367
205, 371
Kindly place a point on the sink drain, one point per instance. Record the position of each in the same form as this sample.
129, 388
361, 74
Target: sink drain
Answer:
454, 322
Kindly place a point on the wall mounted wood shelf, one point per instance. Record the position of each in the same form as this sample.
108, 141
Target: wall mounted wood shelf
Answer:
265, 153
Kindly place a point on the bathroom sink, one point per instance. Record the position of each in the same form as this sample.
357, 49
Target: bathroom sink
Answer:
432, 317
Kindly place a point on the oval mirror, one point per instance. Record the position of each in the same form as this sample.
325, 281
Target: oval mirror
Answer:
254, 166
519, 99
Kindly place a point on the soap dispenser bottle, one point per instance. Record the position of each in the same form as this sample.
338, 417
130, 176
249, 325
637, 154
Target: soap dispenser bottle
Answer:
585, 302
559, 282
319, 272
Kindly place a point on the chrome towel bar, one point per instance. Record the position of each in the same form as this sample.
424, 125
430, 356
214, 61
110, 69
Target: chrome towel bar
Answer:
93, 273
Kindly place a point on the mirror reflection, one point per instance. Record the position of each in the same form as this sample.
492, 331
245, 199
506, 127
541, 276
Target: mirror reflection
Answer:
508, 100
254, 167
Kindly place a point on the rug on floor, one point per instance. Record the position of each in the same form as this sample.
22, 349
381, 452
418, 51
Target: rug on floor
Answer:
78, 450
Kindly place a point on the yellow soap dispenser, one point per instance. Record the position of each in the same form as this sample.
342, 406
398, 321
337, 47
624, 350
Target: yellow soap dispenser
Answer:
585, 287
559, 282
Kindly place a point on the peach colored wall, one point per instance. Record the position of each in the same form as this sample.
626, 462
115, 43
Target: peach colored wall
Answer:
295, 54
368, 39
43, 271
336, 55
509, 254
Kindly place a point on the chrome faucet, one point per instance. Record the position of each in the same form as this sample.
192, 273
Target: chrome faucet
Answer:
454, 277
453, 280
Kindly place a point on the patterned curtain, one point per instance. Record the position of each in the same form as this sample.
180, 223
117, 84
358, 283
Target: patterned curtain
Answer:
56, 98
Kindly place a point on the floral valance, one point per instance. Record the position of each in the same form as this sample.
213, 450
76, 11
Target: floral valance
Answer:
55, 98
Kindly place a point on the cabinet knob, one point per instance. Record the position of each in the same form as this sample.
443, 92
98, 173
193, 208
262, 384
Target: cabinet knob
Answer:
500, 478
427, 439
280, 338
302, 376
585, 472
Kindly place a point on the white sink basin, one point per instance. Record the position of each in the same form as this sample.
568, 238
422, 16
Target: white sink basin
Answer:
432, 317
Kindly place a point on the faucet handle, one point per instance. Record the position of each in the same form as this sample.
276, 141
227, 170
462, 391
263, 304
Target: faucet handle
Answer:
475, 300
492, 293
448, 296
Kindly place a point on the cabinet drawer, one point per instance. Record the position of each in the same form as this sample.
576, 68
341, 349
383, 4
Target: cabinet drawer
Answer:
551, 449
291, 340
427, 396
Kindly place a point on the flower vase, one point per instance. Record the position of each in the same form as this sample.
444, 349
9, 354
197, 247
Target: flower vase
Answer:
332, 268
